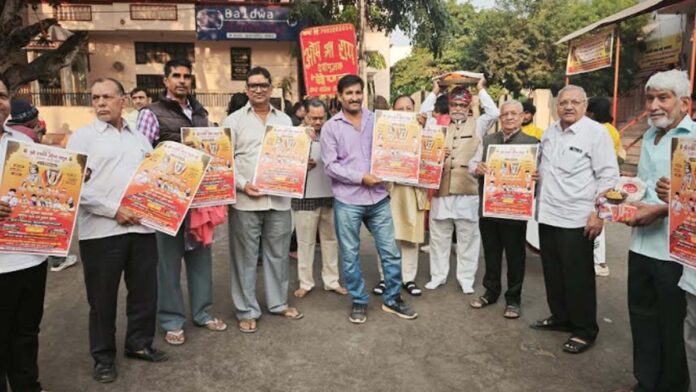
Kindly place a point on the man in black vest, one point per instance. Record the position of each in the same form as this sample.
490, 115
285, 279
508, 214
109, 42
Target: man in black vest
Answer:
163, 121
498, 235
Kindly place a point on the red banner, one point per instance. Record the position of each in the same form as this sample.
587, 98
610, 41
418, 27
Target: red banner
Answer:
328, 53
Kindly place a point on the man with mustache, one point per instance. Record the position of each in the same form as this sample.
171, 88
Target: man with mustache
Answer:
346, 149
578, 165
656, 304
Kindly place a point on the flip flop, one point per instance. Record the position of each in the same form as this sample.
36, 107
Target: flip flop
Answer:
215, 325
291, 313
175, 338
247, 325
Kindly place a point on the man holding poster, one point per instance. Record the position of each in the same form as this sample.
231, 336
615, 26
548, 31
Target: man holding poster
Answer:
346, 149
113, 243
502, 235
257, 216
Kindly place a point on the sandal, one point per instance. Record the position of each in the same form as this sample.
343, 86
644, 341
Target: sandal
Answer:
247, 325
215, 325
175, 338
480, 302
576, 345
412, 288
380, 288
291, 313
512, 312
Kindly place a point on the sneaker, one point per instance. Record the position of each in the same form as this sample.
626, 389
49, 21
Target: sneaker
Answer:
425, 249
358, 314
601, 269
401, 309
433, 284
61, 263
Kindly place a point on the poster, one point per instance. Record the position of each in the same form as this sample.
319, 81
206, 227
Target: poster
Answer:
660, 54
164, 184
508, 189
318, 183
281, 168
591, 53
42, 184
328, 53
217, 187
432, 156
396, 145
682, 202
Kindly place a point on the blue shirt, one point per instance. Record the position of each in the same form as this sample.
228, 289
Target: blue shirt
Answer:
653, 240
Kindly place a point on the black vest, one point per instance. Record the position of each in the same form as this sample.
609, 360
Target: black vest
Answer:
171, 118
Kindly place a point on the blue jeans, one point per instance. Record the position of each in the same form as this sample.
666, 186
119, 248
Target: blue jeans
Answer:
378, 219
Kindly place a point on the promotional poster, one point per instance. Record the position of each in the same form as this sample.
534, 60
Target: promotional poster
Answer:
281, 168
396, 147
508, 188
682, 202
432, 156
217, 187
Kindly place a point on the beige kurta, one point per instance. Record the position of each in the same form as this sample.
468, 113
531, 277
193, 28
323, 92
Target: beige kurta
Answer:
408, 206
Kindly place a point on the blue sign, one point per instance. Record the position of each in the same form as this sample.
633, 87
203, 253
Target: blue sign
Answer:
235, 22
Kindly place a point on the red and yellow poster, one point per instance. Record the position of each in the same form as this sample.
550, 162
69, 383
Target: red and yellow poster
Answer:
591, 53
396, 145
328, 53
42, 184
281, 168
432, 156
508, 188
682, 202
217, 187
162, 189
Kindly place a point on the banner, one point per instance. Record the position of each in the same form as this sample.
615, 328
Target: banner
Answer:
328, 53
432, 156
396, 145
591, 53
42, 184
245, 21
217, 187
660, 54
508, 189
682, 202
163, 187
281, 168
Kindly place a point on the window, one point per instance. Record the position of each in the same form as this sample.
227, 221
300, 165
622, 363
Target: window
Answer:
152, 12
161, 52
73, 12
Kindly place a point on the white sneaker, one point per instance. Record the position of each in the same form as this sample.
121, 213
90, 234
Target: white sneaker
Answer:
433, 284
63, 263
425, 248
601, 269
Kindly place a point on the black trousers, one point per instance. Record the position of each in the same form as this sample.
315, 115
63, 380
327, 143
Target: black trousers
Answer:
568, 262
21, 308
105, 259
657, 308
498, 236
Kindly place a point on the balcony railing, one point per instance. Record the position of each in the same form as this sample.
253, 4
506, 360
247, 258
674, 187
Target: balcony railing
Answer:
52, 97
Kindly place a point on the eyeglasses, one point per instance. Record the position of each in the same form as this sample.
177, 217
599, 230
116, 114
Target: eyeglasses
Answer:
570, 103
258, 86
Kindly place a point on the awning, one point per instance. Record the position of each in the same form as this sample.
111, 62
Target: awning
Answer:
638, 9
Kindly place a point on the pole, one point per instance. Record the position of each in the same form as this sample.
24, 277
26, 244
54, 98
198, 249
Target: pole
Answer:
693, 63
617, 66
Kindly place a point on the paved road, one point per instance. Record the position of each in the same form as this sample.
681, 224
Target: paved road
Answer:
450, 347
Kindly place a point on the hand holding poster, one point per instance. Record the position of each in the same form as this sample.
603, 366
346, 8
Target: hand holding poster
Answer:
508, 188
682, 208
432, 156
163, 187
217, 187
328, 53
281, 168
396, 145
42, 185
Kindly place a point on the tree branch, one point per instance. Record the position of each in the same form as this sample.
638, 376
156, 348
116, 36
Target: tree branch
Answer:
48, 64
10, 11
20, 37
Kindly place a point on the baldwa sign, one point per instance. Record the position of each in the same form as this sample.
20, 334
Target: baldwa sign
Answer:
229, 22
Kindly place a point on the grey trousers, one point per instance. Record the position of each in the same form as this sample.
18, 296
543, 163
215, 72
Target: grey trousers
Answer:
171, 312
690, 338
270, 232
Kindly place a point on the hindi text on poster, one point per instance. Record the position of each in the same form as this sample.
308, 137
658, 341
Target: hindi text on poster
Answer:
591, 53
682, 207
217, 187
508, 187
396, 146
281, 168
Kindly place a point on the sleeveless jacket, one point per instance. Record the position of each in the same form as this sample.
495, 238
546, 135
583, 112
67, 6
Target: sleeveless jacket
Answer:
171, 118
462, 141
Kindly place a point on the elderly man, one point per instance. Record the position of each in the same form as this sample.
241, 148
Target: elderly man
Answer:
502, 235
656, 304
578, 165
257, 221
456, 204
113, 243
316, 213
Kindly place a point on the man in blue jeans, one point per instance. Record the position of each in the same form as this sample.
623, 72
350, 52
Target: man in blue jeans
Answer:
346, 148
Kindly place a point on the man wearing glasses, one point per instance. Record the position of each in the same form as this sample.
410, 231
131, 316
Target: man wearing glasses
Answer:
578, 165
258, 222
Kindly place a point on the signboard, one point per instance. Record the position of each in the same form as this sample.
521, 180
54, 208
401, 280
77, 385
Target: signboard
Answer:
328, 53
660, 54
240, 59
591, 53
682, 202
508, 188
230, 22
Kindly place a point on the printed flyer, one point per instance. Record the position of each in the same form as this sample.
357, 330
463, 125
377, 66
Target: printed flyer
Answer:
432, 156
508, 188
396, 146
217, 187
682, 202
281, 168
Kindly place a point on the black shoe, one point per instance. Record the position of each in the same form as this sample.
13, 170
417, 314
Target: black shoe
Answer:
400, 309
149, 354
104, 372
412, 288
358, 314
380, 288
550, 324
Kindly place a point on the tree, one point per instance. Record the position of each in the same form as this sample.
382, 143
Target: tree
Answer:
16, 34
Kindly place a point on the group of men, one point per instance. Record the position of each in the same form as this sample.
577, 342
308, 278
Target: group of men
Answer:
577, 166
